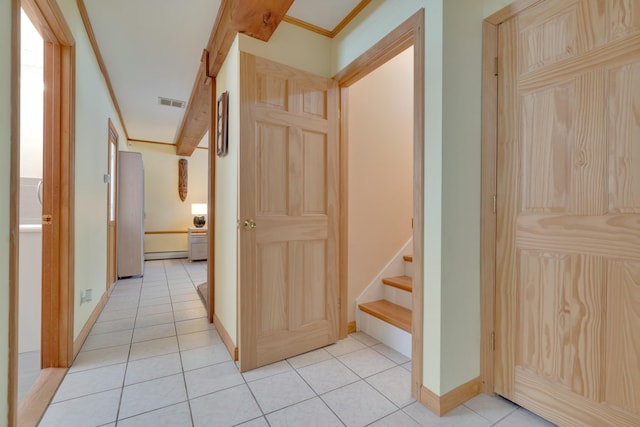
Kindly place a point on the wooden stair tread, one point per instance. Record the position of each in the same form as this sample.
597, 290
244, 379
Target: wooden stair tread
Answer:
401, 282
389, 312
408, 258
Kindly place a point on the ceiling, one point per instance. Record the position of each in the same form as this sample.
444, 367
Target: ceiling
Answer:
152, 48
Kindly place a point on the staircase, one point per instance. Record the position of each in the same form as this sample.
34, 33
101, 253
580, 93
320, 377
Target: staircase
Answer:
389, 319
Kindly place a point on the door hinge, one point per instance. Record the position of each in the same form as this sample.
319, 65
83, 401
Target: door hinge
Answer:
47, 219
495, 203
493, 341
495, 66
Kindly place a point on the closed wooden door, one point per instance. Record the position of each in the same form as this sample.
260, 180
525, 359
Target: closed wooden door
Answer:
568, 212
288, 297
112, 271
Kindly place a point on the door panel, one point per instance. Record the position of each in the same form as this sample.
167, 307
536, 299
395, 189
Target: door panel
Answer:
289, 189
568, 239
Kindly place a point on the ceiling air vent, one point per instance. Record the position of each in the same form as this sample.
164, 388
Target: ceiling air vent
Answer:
170, 102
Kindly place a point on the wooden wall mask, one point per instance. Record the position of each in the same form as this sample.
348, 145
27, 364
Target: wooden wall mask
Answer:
182, 179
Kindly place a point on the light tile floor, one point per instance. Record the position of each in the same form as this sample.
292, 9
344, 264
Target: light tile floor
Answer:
152, 359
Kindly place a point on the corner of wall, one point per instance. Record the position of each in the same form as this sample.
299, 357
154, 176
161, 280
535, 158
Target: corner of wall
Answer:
226, 203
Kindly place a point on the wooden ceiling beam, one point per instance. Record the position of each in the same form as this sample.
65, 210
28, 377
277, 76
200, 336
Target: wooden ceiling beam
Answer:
255, 18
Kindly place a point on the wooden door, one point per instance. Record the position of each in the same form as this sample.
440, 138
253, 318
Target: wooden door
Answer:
288, 212
112, 209
568, 212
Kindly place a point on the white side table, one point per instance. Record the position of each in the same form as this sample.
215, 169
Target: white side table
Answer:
198, 244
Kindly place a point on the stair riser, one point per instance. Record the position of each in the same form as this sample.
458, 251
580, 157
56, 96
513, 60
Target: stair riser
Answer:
397, 296
386, 333
408, 269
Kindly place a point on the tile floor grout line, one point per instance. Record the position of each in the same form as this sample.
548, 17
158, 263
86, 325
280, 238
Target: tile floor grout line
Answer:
124, 378
316, 393
174, 291
184, 378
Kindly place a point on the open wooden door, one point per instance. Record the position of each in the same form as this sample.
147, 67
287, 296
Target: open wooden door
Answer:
112, 208
288, 296
568, 212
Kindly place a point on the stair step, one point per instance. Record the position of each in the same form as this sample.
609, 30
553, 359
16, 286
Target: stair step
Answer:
401, 282
408, 258
389, 312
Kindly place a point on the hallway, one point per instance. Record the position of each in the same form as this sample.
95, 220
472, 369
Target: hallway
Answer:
152, 359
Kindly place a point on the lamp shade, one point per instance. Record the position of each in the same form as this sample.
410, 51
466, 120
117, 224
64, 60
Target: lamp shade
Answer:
198, 209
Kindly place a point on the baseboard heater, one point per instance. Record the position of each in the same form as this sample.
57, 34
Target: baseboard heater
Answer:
148, 256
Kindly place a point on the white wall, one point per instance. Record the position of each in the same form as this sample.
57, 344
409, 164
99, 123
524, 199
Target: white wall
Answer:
93, 109
461, 126
226, 231
380, 120
376, 21
31, 100
164, 211
453, 36
5, 174
295, 47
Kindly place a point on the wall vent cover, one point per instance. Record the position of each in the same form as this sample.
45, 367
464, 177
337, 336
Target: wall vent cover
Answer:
170, 102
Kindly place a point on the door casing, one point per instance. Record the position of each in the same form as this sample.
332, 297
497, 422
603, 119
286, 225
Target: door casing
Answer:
58, 192
488, 187
409, 33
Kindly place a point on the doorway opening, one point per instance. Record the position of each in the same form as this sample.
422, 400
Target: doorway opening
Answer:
379, 112
56, 215
30, 236
409, 34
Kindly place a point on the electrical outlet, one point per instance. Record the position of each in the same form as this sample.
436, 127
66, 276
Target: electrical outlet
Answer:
86, 296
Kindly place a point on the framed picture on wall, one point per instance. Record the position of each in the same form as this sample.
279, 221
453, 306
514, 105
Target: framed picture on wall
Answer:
222, 124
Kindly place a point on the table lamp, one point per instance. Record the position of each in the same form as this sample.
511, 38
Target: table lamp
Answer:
199, 210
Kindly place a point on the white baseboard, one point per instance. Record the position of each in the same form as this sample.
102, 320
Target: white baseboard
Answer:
165, 255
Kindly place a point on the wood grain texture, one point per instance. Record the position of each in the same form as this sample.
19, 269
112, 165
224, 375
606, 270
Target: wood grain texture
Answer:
351, 327
112, 204
506, 204
183, 178
211, 203
400, 282
324, 32
622, 344
564, 407
568, 230
36, 402
391, 45
344, 212
289, 188
615, 235
509, 11
226, 338
441, 405
624, 128
255, 18
488, 191
417, 272
389, 312
58, 188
